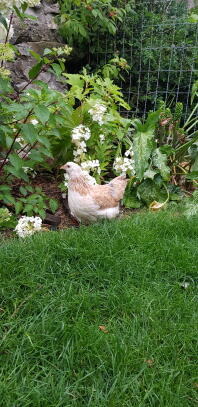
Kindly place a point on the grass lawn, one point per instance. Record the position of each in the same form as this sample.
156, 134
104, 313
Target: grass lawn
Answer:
57, 289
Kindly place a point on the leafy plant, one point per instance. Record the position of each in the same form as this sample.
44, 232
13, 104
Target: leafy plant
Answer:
7, 220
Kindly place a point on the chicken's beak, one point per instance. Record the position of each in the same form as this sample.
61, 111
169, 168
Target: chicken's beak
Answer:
62, 167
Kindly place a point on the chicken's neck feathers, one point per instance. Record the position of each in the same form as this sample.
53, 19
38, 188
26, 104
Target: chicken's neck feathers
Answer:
79, 184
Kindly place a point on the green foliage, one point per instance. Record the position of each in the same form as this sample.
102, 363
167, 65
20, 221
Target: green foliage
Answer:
80, 19
155, 37
7, 220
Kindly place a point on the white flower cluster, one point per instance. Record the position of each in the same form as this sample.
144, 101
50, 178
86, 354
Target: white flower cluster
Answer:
80, 133
91, 165
79, 136
123, 165
28, 225
30, 171
6, 6
102, 138
97, 112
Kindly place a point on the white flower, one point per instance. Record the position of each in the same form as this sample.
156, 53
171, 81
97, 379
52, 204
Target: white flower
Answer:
123, 165
28, 225
34, 122
80, 133
102, 138
29, 169
90, 165
97, 112
129, 153
66, 181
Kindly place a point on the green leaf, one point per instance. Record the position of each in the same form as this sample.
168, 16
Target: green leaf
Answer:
29, 188
28, 209
16, 161
143, 143
75, 80
160, 161
18, 207
34, 71
3, 22
23, 190
130, 199
29, 132
148, 192
53, 203
57, 69
41, 213
149, 174
42, 113
35, 55
47, 51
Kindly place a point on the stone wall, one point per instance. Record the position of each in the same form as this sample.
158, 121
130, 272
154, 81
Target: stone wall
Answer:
35, 35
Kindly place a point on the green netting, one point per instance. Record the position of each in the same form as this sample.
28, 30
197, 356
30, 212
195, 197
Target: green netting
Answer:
160, 45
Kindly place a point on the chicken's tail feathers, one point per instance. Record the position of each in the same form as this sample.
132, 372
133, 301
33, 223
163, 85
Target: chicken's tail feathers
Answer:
120, 178
118, 186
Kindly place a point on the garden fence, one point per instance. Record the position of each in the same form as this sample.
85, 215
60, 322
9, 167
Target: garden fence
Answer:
161, 46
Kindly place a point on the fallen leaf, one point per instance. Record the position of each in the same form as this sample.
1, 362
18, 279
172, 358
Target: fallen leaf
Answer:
103, 329
149, 362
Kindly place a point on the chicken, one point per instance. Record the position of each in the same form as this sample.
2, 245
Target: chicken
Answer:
88, 203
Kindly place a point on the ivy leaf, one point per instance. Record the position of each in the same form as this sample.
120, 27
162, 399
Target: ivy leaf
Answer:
160, 161
34, 71
42, 113
29, 132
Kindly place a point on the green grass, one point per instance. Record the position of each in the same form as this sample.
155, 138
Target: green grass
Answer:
58, 287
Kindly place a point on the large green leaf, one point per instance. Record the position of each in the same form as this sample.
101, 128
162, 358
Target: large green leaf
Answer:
160, 161
143, 144
148, 191
29, 132
75, 80
34, 71
3, 22
42, 113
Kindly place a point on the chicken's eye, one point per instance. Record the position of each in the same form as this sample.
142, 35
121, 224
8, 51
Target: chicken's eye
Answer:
68, 166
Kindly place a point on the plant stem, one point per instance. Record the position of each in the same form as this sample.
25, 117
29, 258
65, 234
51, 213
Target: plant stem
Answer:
8, 30
15, 137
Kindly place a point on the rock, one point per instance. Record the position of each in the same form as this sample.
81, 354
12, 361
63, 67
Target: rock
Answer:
35, 35
53, 220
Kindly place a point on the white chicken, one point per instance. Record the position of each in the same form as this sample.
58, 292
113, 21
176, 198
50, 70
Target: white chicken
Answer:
88, 203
